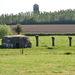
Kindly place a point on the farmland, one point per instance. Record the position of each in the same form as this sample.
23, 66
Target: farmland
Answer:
47, 28
42, 60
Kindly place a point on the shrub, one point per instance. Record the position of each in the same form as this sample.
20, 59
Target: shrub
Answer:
4, 30
17, 28
68, 53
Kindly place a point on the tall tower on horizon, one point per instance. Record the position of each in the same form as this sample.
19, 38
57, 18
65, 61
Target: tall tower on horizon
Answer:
36, 8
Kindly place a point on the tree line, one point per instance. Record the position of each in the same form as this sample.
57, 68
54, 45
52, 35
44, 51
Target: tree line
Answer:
57, 17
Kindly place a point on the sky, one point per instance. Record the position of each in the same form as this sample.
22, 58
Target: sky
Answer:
16, 6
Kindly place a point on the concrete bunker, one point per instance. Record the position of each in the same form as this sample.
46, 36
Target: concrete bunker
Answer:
16, 41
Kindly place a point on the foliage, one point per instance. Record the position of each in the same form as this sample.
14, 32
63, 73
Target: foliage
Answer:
59, 17
17, 28
50, 34
4, 30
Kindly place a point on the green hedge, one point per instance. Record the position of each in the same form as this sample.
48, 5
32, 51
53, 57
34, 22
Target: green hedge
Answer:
49, 34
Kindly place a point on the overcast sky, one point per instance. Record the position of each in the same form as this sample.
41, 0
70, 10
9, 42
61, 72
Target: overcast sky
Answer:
16, 6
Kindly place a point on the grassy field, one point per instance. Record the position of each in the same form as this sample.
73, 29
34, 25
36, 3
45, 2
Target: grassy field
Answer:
42, 60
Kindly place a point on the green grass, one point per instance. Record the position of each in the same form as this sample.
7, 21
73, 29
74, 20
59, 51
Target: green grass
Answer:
37, 65
42, 60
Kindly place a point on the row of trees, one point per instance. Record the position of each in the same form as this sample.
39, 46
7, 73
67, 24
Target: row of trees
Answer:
60, 17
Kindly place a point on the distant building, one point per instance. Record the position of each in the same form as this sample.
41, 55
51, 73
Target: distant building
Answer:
36, 8
16, 41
